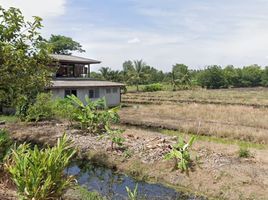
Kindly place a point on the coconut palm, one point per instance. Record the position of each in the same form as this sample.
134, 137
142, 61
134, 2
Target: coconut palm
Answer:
105, 72
138, 73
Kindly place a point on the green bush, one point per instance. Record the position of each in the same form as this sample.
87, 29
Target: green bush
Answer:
39, 174
5, 144
42, 109
244, 152
153, 87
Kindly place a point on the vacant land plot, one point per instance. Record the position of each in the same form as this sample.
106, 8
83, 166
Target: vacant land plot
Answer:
244, 96
235, 122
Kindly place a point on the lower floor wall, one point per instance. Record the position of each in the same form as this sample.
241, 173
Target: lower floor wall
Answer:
111, 94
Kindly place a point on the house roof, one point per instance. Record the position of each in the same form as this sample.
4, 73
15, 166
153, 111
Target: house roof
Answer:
80, 83
74, 59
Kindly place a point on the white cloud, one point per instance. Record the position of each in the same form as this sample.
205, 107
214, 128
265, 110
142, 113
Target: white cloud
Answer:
42, 8
134, 41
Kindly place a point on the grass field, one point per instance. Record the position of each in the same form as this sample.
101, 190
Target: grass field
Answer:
239, 114
244, 96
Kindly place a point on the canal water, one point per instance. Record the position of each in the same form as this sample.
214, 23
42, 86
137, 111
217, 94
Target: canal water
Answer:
113, 185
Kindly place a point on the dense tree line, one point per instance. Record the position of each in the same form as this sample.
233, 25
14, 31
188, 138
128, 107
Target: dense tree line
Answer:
181, 77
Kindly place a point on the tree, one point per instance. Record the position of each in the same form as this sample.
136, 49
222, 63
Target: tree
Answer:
180, 76
232, 76
138, 73
212, 77
105, 72
251, 76
264, 78
24, 59
64, 45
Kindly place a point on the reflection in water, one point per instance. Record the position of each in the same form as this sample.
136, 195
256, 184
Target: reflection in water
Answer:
113, 185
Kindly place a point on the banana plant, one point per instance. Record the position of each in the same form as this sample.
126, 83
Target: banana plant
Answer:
180, 152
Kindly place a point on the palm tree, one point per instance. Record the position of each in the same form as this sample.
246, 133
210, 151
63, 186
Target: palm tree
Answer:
105, 72
138, 73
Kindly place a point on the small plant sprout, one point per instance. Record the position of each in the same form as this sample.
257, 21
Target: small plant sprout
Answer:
115, 136
244, 152
132, 195
180, 152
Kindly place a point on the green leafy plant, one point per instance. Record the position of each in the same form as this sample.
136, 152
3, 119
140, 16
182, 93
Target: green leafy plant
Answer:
115, 137
42, 109
180, 152
244, 152
39, 174
153, 87
94, 115
5, 144
132, 195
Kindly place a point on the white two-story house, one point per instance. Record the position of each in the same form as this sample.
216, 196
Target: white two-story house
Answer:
73, 77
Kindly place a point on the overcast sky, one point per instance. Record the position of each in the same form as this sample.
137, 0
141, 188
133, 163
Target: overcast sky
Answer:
161, 32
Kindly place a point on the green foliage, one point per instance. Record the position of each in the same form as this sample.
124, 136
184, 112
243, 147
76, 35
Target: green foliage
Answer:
5, 144
212, 78
132, 195
24, 59
153, 87
64, 45
264, 78
115, 136
64, 109
42, 109
180, 76
251, 76
93, 116
180, 152
39, 174
137, 73
244, 152
83, 194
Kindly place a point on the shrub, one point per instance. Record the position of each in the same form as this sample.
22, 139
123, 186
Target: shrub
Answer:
39, 174
42, 109
64, 109
153, 87
180, 152
244, 152
5, 144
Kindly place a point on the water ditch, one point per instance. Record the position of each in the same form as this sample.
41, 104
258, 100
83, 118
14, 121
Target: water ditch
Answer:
112, 184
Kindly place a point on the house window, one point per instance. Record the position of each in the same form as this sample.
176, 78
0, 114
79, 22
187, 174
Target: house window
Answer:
94, 93
70, 92
114, 90
108, 90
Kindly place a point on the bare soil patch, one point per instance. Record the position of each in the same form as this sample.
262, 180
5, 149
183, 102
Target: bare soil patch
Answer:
219, 173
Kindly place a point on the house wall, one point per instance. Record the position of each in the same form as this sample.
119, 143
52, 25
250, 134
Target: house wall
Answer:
112, 99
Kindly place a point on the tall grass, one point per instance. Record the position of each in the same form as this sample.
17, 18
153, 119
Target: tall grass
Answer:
39, 174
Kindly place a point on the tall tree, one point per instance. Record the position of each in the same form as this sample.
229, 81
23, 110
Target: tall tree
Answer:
138, 73
180, 75
24, 59
64, 45
105, 72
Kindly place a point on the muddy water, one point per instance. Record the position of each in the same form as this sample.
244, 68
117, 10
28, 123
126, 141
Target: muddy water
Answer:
112, 185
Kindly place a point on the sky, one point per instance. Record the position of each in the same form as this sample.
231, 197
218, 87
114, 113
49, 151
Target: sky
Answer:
197, 33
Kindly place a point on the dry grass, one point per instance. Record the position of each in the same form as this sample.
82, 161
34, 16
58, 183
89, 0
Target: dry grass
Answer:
235, 122
244, 96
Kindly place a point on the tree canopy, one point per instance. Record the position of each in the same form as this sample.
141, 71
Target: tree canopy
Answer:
60, 44
24, 58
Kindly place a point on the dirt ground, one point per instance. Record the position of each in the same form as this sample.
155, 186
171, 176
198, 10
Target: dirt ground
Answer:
218, 172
